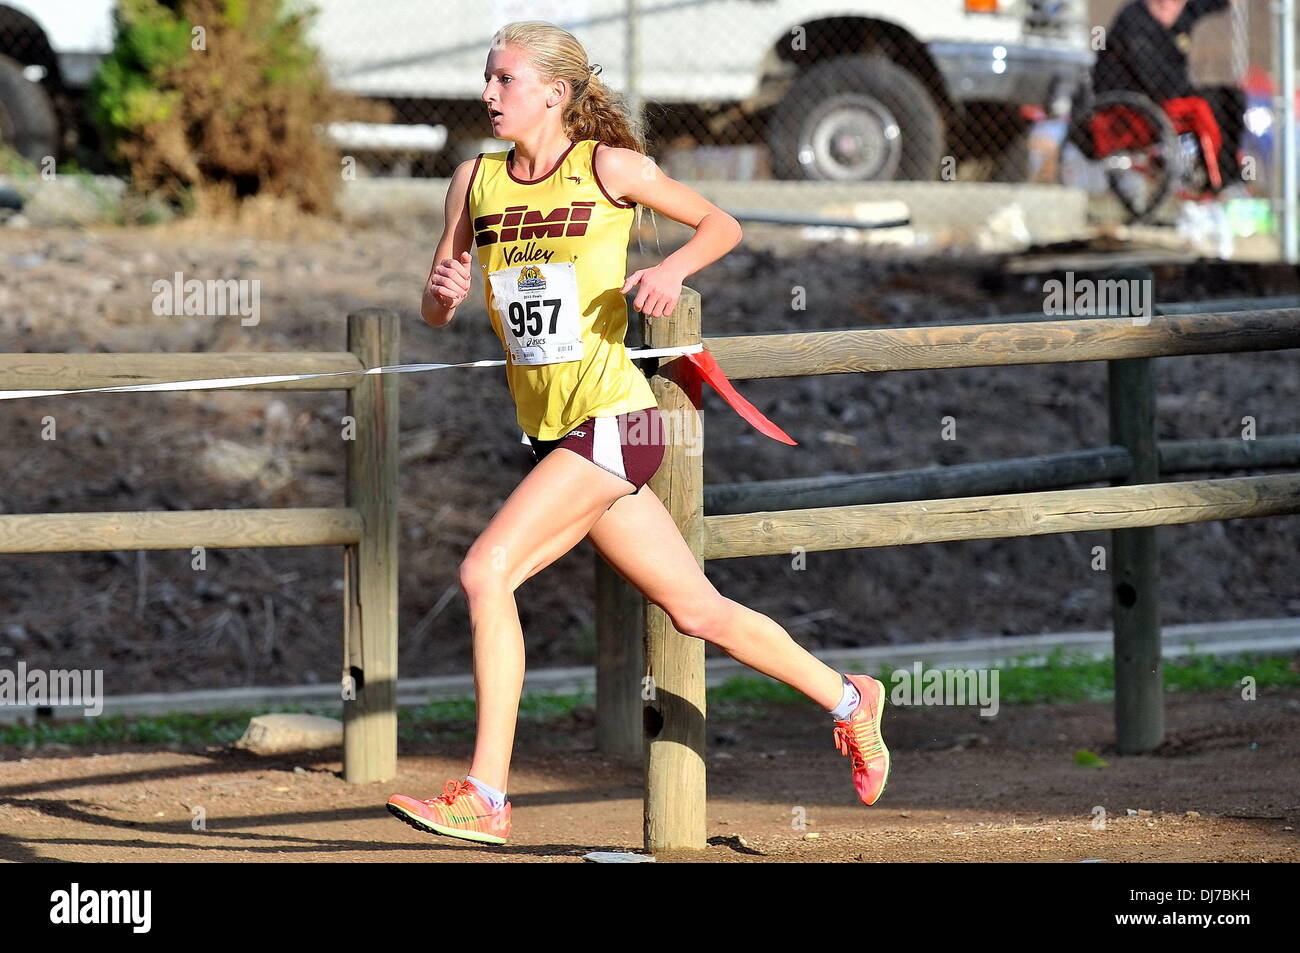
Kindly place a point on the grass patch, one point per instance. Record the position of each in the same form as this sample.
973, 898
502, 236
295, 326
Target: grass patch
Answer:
1064, 678
187, 729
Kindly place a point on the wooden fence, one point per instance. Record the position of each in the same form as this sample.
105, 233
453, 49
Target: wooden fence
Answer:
366, 526
651, 703
650, 683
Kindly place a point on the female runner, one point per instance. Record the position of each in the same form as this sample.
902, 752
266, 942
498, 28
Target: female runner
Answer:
550, 220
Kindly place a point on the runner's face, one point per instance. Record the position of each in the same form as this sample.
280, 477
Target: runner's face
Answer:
515, 91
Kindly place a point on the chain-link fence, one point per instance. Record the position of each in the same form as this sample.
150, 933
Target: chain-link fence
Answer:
1140, 103
859, 91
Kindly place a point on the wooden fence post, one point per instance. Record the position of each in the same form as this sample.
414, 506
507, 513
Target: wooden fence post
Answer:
1135, 560
620, 664
674, 710
370, 566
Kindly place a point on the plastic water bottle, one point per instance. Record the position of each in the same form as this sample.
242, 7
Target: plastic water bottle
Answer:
1221, 228
1205, 226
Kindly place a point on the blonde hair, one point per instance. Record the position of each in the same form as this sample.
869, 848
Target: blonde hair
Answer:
594, 110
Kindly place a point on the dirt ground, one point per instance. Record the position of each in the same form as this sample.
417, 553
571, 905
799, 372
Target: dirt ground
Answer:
152, 622
963, 788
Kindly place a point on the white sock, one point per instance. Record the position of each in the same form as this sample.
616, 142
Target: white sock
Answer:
495, 798
848, 701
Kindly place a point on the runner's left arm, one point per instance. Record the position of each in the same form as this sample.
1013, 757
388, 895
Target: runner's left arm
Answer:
631, 176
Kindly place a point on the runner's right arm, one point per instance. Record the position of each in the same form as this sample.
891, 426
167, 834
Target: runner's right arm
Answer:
449, 277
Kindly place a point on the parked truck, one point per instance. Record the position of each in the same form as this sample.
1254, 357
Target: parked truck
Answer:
835, 89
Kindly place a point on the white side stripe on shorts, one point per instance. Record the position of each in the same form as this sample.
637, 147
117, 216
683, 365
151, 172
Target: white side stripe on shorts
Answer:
606, 450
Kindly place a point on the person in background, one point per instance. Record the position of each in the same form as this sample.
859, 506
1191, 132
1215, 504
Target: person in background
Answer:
1146, 51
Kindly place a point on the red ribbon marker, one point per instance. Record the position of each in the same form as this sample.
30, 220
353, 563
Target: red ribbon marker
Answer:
705, 366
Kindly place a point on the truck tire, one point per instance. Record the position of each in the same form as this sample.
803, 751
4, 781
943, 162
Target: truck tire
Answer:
27, 121
856, 119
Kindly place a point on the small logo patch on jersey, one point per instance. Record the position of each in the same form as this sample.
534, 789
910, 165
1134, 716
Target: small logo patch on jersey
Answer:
531, 279
577, 433
576, 178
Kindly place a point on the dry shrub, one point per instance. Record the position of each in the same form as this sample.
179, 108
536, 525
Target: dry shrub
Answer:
210, 102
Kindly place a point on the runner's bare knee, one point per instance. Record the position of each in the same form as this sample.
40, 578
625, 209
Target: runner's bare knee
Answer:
709, 621
484, 573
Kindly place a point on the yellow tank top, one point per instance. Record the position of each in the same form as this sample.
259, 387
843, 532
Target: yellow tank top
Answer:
553, 255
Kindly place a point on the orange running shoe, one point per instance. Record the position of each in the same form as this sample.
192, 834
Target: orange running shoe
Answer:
459, 811
859, 738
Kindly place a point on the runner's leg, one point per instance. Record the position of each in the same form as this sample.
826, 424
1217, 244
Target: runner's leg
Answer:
639, 539
549, 512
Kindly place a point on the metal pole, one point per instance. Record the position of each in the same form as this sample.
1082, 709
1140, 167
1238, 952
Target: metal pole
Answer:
633, 90
1286, 131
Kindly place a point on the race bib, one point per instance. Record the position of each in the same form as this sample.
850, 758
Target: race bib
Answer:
539, 311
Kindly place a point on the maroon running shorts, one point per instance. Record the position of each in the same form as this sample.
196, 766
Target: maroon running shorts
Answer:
630, 446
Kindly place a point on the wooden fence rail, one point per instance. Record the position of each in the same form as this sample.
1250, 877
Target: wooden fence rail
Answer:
79, 371
1021, 474
995, 517
805, 353
182, 529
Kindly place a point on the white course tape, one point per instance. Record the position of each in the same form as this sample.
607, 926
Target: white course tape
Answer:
216, 383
